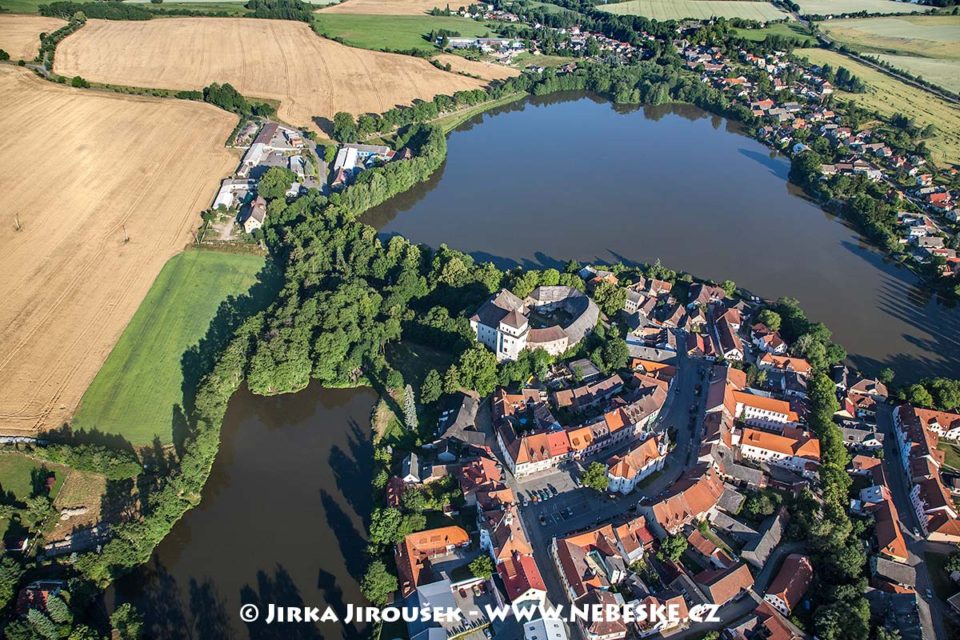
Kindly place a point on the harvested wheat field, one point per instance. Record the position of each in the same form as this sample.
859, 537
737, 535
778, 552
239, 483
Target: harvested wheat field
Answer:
388, 7
275, 59
107, 188
20, 35
483, 70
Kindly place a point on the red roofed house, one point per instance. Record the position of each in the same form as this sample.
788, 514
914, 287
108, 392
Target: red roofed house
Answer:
791, 584
795, 449
723, 585
691, 498
414, 554
624, 471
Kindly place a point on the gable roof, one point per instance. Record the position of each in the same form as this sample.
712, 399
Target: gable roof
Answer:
793, 580
723, 585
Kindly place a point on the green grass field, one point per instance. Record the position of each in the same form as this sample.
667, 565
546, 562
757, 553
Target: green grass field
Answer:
790, 30
16, 472
837, 7
394, 33
140, 386
698, 9
925, 46
887, 95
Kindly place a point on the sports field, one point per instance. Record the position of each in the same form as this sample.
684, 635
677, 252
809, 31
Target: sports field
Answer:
838, 7
389, 7
275, 59
697, 9
888, 95
140, 386
20, 35
106, 188
394, 33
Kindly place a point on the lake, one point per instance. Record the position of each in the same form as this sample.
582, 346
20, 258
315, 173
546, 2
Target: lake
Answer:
547, 180
282, 520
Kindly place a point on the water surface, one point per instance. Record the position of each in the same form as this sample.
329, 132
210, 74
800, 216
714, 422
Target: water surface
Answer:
281, 521
546, 180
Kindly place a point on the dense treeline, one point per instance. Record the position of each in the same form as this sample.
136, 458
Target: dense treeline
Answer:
112, 463
99, 10
228, 98
280, 9
49, 41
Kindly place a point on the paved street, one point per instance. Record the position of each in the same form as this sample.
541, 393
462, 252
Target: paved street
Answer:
930, 610
587, 508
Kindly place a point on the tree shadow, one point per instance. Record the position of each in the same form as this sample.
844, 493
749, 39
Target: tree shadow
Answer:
351, 469
279, 590
156, 595
210, 618
333, 597
352, 542
198, 361
67, 435
39, 481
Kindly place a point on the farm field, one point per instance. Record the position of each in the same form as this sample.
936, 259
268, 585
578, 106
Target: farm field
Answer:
274, 59
698, 9
394, 33
945, 73
926, 46
122, 167
387, 7
20, 35
139, 389
887, 95
785, 30
485, 70
837, 7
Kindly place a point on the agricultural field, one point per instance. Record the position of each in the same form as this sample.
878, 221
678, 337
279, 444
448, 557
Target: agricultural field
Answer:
481, 69
389, 7
697, 9
838, 7
790, 30
311, 77
139, 390
20, 35
395, 33
887, 95
926, 46
101, 206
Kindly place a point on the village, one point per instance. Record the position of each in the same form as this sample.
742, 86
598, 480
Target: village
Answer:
666, 481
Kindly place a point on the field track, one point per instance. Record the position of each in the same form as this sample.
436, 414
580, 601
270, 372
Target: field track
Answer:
83, 171
388, 7
277, 59
20, 35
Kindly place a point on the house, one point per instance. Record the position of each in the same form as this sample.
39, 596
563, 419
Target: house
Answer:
598, 558
892, 576
704, 294
766, 340
604, 626
763, 623
522, 580
673, 605
254, 215
758, 549
856, 436
411, 470
414, 554
545, 629
793, 448
728, 341
791, 583
773, 363
692, 498
626, 470
723, 585
707, 551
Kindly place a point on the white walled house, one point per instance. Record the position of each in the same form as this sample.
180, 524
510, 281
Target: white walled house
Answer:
794, 449
627, 470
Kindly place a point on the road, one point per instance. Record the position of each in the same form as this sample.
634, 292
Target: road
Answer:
930, 610
589, 509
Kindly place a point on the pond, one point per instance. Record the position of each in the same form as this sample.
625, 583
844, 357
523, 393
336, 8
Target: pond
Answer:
546, 180
282, 520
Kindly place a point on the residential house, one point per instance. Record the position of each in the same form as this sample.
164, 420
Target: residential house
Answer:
414, 554
723, 585
626, 470
791, 583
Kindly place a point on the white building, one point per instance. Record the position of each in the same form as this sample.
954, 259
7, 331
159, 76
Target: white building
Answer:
545, 629
794, 449
627, 470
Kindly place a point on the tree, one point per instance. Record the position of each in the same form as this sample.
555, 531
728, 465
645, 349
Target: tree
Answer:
609, 297
729, 287
10, 573
431, 388
770, 318
917, 394
478, 369
378, 583
672, 547
482, 567
595, 477
344, 127
410, 409
275, 182
886, 375
451, 379
384, 525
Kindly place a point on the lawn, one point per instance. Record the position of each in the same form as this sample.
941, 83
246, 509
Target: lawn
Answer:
837, 7
523, 60
783, 29
16, 474
698, 9
943, 73
887, 95
951, 454
394, 33
140, 388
